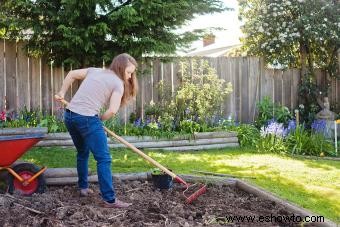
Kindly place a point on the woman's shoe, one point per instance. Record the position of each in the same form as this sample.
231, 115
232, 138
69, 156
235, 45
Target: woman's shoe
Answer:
117, 204
86, 192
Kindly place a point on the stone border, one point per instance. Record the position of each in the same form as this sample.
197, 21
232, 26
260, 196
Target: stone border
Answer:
247, 187
199, 141
19, 131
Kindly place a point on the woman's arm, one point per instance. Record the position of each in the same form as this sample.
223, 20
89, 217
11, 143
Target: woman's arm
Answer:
78, 74
114, 105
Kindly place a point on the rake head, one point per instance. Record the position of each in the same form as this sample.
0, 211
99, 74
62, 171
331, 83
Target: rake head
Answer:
202, 188
193, 191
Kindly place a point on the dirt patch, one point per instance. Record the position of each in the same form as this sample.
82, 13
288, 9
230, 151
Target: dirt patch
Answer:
62, 206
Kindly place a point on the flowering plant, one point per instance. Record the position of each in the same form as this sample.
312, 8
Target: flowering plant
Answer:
2, 116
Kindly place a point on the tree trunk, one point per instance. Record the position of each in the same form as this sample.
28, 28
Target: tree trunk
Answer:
303, 57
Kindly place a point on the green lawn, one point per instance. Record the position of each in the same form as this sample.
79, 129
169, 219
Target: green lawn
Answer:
312, 184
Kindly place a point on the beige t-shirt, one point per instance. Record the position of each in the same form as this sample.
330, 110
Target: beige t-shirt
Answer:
95, 91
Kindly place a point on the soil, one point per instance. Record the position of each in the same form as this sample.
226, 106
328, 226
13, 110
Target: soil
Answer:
62, 206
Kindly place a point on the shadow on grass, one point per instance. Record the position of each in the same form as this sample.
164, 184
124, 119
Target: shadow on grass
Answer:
330, 165
298, 194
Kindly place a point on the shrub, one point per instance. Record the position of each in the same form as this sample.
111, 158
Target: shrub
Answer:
267, 111
297, 141
248, 135
304, 142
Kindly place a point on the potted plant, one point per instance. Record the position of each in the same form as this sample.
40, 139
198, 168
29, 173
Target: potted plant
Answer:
160, 179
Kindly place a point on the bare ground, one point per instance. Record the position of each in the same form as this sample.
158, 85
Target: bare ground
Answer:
62, 206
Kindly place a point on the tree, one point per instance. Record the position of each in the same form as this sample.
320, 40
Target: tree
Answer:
293, 33
84, 32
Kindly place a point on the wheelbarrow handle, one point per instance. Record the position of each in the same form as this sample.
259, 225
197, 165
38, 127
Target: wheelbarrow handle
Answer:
136, 150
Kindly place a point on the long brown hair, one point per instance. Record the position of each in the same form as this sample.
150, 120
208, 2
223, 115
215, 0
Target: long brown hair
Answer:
118, 65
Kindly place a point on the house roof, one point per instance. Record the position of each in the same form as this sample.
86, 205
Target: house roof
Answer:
213, 50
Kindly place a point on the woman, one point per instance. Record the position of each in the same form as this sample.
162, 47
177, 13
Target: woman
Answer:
112, 87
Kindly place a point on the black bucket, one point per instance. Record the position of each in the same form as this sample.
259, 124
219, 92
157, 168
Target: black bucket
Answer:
162, 181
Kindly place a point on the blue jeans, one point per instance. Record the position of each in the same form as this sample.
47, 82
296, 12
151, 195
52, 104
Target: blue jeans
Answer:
88, 134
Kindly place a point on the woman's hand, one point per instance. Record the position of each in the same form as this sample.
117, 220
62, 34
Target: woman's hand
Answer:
59, 96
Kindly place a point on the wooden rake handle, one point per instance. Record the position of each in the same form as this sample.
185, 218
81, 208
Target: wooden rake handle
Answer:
132, 147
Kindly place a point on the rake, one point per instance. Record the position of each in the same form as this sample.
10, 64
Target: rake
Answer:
189, 198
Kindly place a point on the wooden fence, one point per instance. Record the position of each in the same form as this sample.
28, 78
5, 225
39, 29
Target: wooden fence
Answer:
31, 82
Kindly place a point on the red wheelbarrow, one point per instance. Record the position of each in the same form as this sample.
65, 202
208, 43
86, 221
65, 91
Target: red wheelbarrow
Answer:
24, 178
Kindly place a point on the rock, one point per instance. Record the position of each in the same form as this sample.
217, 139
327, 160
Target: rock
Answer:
77, 215
2, 201
186, 224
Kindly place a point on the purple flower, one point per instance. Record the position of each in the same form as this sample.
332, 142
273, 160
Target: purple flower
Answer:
13, 115
273, 128
147, 121
291, 127
319, 126
138, 122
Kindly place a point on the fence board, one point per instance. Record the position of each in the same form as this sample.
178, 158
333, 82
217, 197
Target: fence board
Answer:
2, 76
236, 71
23, 76
287, 86
176, 74
157, 77
268, 89
148, 88
225, 65
254, 78
11, 83
244, 87
35, 84
278, 86
295, 83
46, 87
57, 82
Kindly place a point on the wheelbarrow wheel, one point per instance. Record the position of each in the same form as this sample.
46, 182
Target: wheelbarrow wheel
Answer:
26, 171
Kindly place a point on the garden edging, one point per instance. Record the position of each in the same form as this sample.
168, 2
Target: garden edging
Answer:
198, 141
179, 143
245, 186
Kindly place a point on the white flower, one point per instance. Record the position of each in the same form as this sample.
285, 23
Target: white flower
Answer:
261, 29
325, 19
301, 106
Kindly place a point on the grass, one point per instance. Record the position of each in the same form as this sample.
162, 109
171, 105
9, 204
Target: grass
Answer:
312, 184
